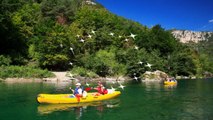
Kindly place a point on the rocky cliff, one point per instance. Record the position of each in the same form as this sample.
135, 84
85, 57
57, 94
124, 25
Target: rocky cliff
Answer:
186, 36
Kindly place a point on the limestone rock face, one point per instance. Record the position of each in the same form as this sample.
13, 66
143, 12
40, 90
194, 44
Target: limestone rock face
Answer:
154, 76
186, 36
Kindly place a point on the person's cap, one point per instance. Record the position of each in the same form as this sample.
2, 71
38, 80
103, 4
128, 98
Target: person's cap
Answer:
78, 84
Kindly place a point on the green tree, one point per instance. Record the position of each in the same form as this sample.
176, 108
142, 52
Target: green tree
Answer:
62, 11
26, 19
52, 48
12, 42
181, 62
104, 63
159, 39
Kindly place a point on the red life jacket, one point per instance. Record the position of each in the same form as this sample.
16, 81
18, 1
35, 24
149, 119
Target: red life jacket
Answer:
102, 91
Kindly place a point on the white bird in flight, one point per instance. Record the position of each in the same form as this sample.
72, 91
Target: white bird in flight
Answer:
87, 84
136, 47
121, 86
149, 65
89, 36
113, 89
140, 62
112, 34
132, 36
71, 63
126, 40
135, 78
61, 45
82, 40
71, 76
78, 35
93, 31
71, 49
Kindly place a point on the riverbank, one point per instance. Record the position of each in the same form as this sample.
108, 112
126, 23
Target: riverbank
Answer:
64, 76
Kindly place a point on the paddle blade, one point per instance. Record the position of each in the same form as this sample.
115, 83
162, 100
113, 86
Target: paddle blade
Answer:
88, 89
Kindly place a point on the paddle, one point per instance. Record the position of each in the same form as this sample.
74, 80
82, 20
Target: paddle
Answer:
88, 89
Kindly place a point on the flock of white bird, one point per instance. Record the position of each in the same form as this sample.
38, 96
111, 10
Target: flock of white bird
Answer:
111, 34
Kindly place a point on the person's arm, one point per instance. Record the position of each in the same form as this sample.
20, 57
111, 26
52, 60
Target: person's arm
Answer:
72, 90
95, 88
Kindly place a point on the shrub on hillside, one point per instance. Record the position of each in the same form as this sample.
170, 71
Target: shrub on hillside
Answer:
23, 72
4, 60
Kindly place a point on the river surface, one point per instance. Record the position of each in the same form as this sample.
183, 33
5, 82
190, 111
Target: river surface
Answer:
189, 100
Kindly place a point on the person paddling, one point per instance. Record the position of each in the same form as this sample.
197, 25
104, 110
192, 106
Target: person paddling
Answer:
78, 91
101, 89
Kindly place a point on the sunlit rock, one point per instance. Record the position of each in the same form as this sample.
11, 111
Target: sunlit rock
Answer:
186, 36
154, 76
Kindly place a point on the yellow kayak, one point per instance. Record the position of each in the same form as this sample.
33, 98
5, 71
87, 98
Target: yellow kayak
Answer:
70, 98
170, 82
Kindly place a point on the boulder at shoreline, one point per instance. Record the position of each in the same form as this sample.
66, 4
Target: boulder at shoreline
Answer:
154, 76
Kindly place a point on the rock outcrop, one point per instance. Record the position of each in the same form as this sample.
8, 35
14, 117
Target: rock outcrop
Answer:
186, 36
154, 76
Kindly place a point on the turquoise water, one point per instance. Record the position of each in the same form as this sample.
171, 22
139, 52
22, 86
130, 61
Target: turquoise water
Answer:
189, 100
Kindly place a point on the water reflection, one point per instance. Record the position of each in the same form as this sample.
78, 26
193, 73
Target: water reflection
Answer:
78, 108
58, 85
155, 85
170, 86
150, 85
49, 108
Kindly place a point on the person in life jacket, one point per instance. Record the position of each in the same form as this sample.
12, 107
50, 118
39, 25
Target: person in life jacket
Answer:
101, 89
78, 91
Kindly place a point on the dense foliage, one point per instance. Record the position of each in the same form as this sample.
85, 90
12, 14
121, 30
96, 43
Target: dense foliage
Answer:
23, 72
203, 52
75, 34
